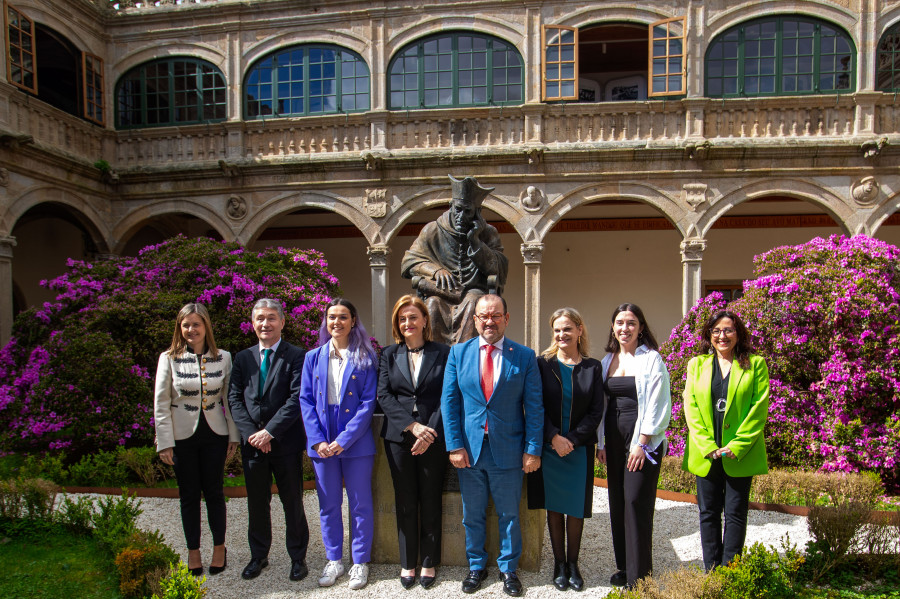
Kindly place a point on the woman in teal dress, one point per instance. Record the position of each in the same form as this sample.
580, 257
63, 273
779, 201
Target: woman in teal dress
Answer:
573, 408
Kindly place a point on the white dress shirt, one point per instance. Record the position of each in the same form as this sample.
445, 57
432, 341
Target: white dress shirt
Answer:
337, 363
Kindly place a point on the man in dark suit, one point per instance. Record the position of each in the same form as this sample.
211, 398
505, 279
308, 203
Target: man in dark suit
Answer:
264, 399
493, 415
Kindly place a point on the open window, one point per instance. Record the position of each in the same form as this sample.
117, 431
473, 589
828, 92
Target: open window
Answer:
614, 62
70, 79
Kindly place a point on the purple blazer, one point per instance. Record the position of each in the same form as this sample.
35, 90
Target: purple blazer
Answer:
358, 392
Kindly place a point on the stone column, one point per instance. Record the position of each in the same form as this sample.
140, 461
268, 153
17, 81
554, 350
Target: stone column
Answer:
379, 259
6, 288
533, 253
691, 285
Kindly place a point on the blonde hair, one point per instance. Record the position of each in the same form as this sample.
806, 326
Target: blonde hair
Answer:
584, 343
178, 342
416, 302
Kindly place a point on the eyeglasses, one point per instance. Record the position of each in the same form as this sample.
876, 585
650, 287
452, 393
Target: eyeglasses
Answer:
486, 318
727, 332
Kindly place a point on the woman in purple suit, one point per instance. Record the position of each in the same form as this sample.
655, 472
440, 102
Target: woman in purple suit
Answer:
337, 398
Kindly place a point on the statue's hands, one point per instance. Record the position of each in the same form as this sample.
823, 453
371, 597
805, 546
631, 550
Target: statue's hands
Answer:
444, 279
474, 235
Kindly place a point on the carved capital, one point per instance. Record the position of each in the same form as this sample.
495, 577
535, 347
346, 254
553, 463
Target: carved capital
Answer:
236, 207
6, 247
378, 255
695, 194
692, 249
865, 191
375, 202
532, 253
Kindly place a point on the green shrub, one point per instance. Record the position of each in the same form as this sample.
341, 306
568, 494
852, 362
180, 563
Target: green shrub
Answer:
76, 516
673, 478
143, 559
116, 521
181, 584
684, 583
144, 463
10, 500
100, 469
38, 498
48, 467
761, 573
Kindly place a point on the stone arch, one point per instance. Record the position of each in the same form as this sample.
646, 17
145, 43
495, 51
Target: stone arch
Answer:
79, 207
880, 214
823, 197
133, 221
307, 199
440, 196
889, 18
207, 52
269, 45
62, 26
720, 21
505, 30
592, 15
641, 192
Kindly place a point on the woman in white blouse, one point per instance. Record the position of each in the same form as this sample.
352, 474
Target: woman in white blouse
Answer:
194, 429
632, 439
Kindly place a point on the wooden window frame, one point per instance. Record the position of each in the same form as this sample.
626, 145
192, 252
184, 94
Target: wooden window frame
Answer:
9, 46
667, 57
558, 29
92, 79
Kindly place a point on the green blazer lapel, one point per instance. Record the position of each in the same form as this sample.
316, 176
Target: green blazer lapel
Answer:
704, 390
734, 381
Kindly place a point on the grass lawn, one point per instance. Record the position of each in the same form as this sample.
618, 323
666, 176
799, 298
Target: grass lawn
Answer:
55, 565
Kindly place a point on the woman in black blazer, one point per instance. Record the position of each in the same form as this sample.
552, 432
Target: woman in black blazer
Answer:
573, 407
410, 381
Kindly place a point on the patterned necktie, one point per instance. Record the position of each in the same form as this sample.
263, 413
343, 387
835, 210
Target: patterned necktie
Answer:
264, 370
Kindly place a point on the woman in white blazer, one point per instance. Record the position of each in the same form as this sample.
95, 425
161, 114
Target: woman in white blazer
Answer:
194, 429
631, 439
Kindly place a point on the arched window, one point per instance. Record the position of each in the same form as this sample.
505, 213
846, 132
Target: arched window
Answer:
305, 80
171, 91
780, 56
887, 76
456, 69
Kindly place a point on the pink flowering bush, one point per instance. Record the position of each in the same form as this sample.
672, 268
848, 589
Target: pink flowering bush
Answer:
826, 317
78, 372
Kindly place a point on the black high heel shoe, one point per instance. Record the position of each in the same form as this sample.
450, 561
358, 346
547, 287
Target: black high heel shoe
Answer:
213, 570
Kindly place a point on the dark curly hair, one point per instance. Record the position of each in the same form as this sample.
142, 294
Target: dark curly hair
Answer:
742, 350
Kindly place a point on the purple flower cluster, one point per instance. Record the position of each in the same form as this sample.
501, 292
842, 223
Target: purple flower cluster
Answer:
826, 316
78, 372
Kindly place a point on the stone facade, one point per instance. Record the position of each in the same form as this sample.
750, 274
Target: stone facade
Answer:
693, 160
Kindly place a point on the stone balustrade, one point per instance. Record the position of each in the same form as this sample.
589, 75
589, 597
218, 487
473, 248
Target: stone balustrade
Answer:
552, 127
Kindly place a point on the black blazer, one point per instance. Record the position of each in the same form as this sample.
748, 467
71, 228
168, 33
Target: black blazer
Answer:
397, 395
588, 400
278, 410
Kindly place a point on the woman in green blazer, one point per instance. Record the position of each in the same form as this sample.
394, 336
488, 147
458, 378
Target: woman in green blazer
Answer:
726, 403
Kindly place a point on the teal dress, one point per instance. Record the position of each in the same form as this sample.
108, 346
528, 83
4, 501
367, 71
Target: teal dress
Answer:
564, 472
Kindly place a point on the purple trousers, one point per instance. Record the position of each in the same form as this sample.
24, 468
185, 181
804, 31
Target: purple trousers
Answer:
356, 475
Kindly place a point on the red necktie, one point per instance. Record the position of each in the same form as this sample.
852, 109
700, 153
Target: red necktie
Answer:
487, 378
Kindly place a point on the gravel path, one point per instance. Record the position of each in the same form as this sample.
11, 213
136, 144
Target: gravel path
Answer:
676, 543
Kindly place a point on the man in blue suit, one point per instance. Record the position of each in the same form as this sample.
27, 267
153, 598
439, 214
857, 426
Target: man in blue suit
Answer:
493, 425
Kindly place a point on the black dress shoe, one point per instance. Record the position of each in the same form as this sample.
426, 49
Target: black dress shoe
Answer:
408, 582
298, 570
560, 576
254, 567
213, 570
575, 579
473, 581
512, 586
426, 581
618, 579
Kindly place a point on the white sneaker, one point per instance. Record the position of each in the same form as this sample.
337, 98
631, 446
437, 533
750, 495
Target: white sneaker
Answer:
333, 570
359, 576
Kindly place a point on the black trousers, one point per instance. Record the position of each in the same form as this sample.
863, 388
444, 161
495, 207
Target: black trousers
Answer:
200, 468
418, 484
259, 468
632, 495
717, 492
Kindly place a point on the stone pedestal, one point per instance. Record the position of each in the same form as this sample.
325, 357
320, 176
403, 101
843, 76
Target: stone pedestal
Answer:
386, 550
